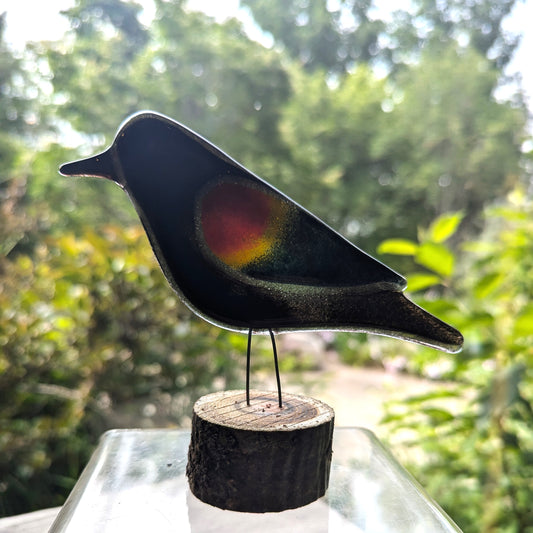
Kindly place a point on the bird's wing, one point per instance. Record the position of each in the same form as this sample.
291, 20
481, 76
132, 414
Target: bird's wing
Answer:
247, 226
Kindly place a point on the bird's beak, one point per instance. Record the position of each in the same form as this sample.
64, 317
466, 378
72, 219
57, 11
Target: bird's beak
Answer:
100, 165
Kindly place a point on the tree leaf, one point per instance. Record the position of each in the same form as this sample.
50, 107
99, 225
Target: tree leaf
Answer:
523, 326
438, 415
489, 283
435, 257
437, 394
421, 281
445, 226
398, 247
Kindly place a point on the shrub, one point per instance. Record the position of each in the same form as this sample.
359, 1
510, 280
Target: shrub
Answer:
87, 322
476, 433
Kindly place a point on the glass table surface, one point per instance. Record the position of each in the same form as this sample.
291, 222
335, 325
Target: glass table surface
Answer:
136, 482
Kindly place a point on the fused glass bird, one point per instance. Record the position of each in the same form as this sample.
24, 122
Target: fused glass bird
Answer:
240, 253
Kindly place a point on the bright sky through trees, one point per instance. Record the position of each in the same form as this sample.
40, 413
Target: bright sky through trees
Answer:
46, 23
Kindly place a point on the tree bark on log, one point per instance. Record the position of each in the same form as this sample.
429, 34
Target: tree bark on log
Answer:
259, 458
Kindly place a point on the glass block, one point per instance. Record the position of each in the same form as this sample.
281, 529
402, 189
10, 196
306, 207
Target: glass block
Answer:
136, 482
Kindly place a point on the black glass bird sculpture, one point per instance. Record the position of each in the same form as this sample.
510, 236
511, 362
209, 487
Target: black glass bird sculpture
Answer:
244, 256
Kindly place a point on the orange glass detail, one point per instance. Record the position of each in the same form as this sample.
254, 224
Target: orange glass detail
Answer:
241, 224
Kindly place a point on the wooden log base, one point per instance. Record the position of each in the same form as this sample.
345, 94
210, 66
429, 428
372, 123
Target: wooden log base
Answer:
259, 458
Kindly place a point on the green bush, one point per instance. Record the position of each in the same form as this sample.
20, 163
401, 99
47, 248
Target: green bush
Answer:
476, 432
85, 322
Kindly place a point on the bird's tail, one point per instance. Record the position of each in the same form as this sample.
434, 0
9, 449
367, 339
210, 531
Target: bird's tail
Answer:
391, 313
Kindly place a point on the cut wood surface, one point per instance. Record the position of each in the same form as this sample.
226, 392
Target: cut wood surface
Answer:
259, 457
229, 408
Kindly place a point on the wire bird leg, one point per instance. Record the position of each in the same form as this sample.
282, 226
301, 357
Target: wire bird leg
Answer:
248, 352
248, 366
278, 380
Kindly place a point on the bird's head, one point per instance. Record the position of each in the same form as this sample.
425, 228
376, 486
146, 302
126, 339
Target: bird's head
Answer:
150, 151
105, 164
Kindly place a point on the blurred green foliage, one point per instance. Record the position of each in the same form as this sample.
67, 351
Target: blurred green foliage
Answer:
475, 434
381, 126
86, 323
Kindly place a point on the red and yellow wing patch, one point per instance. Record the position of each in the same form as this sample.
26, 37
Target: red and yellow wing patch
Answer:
241, 224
